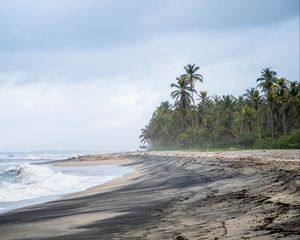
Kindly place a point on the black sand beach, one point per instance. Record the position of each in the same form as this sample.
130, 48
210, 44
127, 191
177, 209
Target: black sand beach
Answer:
175, 195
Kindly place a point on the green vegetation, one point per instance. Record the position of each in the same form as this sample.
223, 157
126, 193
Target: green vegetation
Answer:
267, 116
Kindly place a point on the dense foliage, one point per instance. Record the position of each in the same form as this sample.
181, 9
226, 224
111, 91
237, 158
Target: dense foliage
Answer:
263, 117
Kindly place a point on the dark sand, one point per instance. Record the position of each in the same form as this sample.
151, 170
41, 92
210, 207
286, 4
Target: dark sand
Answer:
176, 195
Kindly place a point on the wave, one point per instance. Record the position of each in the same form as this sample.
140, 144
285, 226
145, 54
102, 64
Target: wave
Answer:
27, 181
36, 156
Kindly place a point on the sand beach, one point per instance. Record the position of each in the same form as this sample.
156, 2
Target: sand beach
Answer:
253, 194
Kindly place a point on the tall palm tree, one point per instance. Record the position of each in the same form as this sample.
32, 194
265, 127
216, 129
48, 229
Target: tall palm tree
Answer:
202, 106
183, 100
266, 82
281, 91
191, 76
255, 99
294, 102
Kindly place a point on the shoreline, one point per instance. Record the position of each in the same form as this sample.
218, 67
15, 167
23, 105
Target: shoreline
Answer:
63, 167
174, 195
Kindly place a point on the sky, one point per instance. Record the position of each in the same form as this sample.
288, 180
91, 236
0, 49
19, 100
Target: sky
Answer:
88, 74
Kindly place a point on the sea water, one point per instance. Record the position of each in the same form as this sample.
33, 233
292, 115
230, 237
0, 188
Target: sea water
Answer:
32, 178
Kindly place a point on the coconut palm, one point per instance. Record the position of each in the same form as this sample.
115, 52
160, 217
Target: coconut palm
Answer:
266, 82
255, 99
182, 94
226, 120
293, 102
191, 76
203, 97
183, 99
226, 107
244, 119
281, 86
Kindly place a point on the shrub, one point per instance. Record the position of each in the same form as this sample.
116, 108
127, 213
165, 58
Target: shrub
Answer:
292, 140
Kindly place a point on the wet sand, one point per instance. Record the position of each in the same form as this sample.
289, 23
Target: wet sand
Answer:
175, 195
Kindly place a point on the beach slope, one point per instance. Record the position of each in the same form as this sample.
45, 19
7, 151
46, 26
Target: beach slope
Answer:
175, 195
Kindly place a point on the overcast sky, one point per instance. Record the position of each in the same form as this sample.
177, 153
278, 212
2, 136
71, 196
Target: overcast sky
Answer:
87, 74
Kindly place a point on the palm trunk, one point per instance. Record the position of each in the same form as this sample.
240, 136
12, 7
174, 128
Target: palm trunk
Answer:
272, 125
268, 118
258, 125
283, 120
196, 115
196, 118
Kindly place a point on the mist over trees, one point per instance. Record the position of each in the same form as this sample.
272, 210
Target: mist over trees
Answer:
265, 116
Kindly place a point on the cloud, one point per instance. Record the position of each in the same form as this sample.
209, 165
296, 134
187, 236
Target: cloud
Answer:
73, 116
222, 15
89, 24
87, 76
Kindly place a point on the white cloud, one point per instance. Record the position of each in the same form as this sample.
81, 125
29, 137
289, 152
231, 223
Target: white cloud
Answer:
100, 98
86, 115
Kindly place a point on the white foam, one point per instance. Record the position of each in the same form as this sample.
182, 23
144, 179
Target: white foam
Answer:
33, 181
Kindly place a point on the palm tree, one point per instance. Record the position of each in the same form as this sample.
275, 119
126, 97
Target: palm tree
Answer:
202, 106
244, 119
157, 132
294, 102
181, 94
191, 76
164, 107
267, 79
226, 107
227, 103
144, 136
281, 90
224, 120
255, 99
216, 99
183, 100
203, 97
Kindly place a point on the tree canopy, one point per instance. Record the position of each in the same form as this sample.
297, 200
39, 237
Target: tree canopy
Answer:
267, 115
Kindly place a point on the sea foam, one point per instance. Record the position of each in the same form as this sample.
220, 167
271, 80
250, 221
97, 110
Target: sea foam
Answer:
27, 181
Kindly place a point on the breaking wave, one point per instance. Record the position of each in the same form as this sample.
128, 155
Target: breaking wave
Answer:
27, 181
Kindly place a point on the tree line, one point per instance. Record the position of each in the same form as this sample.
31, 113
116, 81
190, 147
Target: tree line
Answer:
265, 116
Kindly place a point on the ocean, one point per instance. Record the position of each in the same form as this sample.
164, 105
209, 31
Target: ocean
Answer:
31, 178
